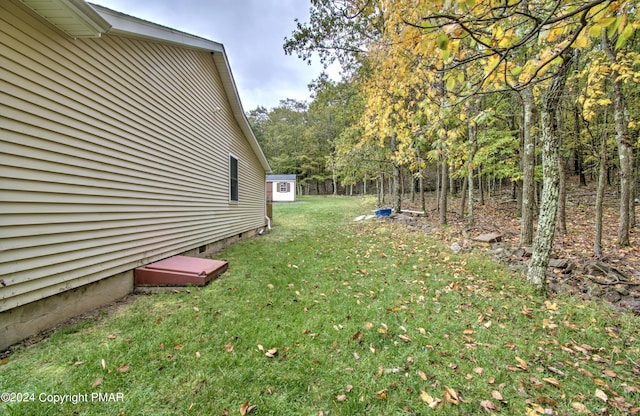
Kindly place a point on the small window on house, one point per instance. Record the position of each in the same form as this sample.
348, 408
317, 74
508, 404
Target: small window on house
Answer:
233, 178
284, 187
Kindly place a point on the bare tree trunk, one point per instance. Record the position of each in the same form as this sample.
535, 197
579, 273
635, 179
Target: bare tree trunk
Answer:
463, 199
632, 197
402, 191
397, 193
551, 142
413, 186
473, 137
562, 197
381, 190
528, 167
334, 180
625, 151
452, 183
442, 203
421, 182
470, 216
602, 178
481, 187
578, 152
438, 180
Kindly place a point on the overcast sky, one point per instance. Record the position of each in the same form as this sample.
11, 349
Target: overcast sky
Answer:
252, 32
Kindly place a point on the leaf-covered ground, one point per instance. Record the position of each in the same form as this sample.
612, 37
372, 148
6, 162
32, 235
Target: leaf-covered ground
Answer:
499, 215
327, 316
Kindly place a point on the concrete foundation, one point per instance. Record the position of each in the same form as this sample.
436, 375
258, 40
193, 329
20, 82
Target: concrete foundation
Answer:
19, 323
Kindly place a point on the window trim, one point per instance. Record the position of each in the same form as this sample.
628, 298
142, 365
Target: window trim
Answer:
232, 179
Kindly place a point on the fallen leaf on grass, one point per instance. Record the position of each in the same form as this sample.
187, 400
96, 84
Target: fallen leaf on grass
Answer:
245, 409
341, 397
450, 395
553, 381
580, 408
558, 372
488, 406
601, 395
497, 395
104, 364
348, 388
382, 394
522, 363
404, 338
178, 347
432, 402
123, 368
552, 306
229, 347
97, 382
112, 336
527, 312
271, 353
586, 373
548, 324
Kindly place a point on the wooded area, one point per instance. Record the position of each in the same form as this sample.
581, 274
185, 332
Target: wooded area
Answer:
461, 96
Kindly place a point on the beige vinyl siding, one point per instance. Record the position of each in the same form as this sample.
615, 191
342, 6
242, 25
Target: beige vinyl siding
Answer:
114, 153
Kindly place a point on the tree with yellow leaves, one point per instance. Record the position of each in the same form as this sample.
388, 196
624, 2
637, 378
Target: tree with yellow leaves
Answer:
431, 54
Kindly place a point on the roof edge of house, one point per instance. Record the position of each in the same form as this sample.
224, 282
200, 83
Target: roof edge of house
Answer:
107, 21
123, 24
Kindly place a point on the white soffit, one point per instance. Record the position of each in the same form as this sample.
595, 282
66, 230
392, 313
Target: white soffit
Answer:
75, 18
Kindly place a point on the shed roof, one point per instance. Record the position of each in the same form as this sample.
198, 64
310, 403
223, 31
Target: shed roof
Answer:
281, 177
78, 18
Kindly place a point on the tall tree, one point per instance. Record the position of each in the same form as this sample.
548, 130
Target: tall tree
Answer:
529, 129
551, 142
467, 48
488, 40
625, 150
617, 62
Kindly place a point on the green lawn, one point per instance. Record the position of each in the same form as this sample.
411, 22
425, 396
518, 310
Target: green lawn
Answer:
326, 316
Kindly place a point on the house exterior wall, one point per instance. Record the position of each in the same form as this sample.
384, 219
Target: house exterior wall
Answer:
114, 154
279, 196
